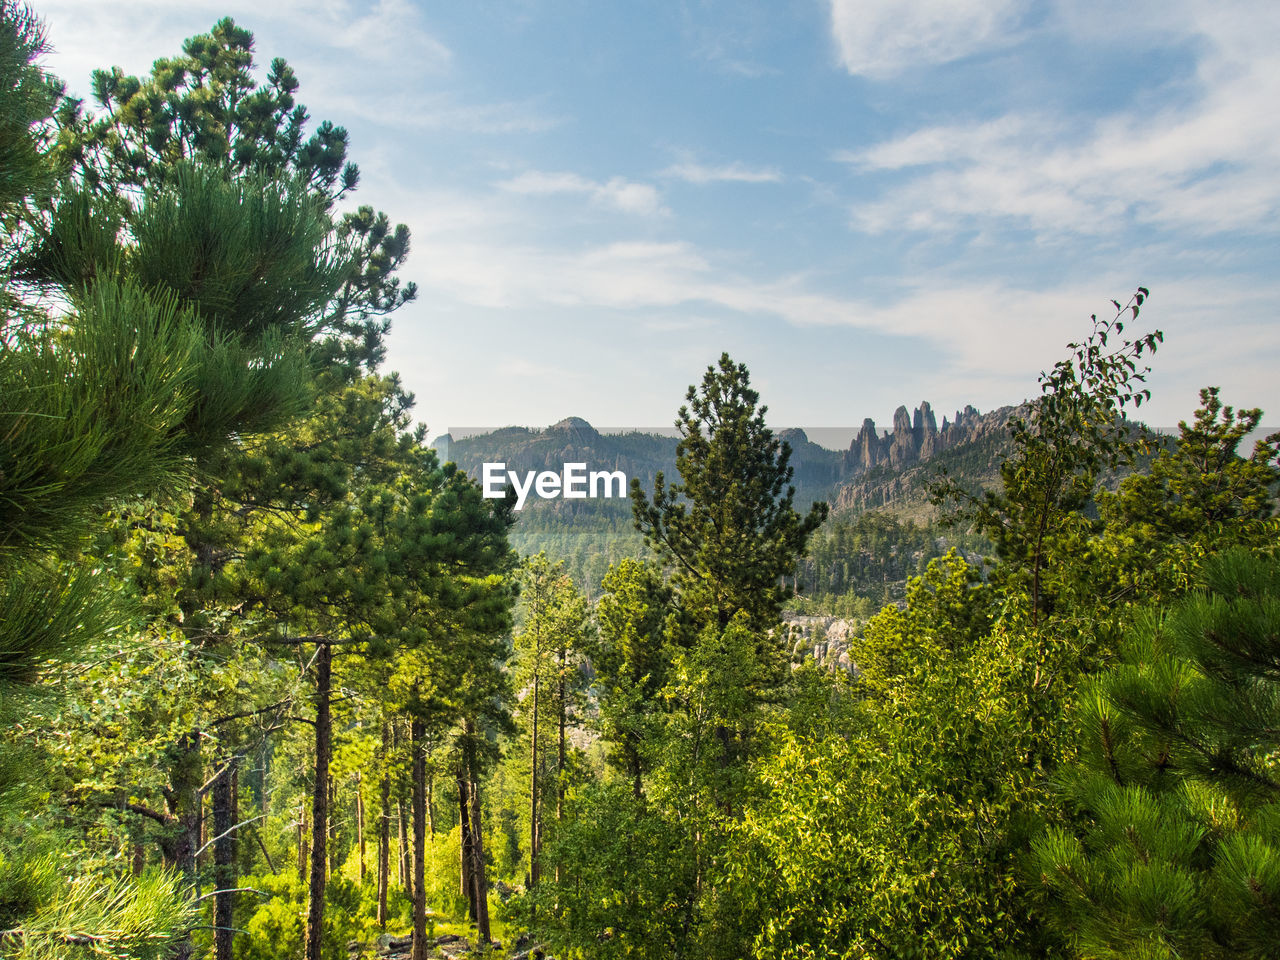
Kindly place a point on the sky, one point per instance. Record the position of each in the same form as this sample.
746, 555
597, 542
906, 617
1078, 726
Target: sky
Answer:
868, 202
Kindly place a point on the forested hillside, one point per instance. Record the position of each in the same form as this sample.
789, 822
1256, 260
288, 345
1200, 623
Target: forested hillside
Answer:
276, 682
885, 475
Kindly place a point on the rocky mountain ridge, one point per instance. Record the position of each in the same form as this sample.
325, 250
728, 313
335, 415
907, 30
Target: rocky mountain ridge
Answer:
866, 474
917, 436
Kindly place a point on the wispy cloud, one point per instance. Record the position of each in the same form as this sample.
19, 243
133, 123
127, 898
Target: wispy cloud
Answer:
618, 193
989, 338
879, 38
1206, 167
385, 32
736, 172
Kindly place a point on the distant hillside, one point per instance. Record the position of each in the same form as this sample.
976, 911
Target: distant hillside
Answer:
883, 471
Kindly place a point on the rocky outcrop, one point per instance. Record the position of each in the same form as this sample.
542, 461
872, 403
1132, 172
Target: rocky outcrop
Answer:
916, 437
575, 431
894, 469
825, 639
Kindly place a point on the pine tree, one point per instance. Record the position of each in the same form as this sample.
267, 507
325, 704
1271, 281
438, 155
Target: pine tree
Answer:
113, 398
549, 647
1172, 844
202, 116
727, 530
631, 662
205, 106
1200, 496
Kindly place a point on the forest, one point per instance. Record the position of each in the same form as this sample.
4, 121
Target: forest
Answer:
275, 683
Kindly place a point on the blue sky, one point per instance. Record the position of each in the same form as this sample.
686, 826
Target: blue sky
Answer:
870, 202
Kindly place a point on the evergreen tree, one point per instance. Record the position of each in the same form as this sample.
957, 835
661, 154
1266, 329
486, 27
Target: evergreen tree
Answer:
727, 530
1199, 496
1172, 845
631, 663
204, 105
112, 397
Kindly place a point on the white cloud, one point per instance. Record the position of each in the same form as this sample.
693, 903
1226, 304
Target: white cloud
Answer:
1207, 166
736, 172
86, 34
879, 38
993, 337
618, 193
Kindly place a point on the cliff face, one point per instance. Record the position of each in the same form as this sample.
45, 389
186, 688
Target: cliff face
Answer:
881, 469
916, 437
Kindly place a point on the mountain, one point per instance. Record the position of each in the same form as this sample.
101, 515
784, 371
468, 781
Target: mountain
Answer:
892, 471
885, 472
880, 470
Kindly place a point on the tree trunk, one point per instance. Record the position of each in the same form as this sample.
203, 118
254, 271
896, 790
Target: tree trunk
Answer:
320, 803
185, 779
225, 818
419, 840
331, 843
562, 715
302, 843
402, 828
533, 790
479, 878
384, 832
404, 868
431, 802
360, 822
466, 858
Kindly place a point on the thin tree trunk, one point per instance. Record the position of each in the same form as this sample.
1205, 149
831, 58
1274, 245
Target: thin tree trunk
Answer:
533, 789
562, 716
202, 842
466, 858
402, 830
320, 802
187, 802
384, 832
479, 878
403, 866
302, 844
360, 822
331, 843
419, 841
431, 802
225, 818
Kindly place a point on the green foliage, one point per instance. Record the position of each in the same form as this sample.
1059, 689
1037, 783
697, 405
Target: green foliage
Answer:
92, 918
1172, 846
896, 830
610, 835
124, 376
870, 555
27, 98
205, 107
631, 661
1073, 432
274, 917
444, 871
1199, 496
727, 531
